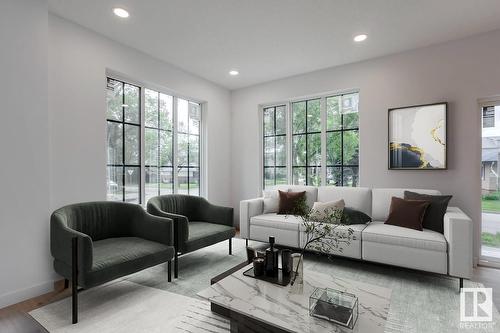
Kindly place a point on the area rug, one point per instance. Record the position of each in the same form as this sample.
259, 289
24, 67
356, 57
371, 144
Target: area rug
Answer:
124, 306
146, 302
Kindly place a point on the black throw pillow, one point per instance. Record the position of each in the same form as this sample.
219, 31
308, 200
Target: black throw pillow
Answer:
353, 216
434, 215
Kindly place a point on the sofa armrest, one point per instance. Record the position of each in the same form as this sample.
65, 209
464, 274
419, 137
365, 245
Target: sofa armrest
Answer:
217, 214
61, 243
459, 235
249, 208
180, 222
153, 228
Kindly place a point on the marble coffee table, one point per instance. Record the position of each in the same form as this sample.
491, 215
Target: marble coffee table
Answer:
258, 306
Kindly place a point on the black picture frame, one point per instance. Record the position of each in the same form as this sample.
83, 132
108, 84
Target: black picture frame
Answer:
410, 164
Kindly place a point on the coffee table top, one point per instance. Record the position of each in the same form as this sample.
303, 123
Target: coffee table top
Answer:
279, 307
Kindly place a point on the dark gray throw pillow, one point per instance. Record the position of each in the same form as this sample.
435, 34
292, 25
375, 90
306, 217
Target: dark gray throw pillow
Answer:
434, 215
353, 216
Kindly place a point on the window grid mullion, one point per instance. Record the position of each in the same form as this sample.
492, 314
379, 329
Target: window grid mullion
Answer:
123, 140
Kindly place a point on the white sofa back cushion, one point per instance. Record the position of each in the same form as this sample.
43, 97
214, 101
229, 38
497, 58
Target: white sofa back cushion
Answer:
359, 198
381, 201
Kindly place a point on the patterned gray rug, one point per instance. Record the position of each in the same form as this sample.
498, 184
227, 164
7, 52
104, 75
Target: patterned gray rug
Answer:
146, 302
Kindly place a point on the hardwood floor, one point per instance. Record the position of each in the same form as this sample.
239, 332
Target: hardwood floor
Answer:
15, 318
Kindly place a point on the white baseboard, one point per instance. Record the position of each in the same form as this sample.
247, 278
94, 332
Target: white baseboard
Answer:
27, 293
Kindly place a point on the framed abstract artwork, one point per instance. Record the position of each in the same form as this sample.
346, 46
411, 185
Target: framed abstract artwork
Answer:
417, 137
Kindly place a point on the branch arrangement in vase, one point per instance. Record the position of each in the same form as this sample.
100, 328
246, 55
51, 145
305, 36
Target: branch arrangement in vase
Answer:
322, 234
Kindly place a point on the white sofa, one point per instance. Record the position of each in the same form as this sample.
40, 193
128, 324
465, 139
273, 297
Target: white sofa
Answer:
449, 253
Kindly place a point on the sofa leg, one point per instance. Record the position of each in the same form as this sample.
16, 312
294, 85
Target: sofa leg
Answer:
246, 242
169, 265
461, 284
74, 279
66, 283
176, 265
230, 246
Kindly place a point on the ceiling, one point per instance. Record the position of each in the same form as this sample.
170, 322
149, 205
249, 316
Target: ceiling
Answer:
271, 39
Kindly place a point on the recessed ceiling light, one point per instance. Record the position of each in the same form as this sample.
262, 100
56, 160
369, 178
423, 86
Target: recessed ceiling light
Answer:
120, 12
233, 72
360, 38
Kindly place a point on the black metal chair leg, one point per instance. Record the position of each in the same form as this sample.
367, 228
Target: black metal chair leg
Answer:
246, 242
74, 279
66, 283
230, 246
169, 271
176, 265
461, 284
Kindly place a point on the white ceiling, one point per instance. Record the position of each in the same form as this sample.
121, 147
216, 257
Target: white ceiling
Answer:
271, 39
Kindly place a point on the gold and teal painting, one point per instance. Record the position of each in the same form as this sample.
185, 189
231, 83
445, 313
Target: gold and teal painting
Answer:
417, 137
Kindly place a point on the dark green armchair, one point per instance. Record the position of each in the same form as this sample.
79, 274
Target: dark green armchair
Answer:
96, 242
197, 223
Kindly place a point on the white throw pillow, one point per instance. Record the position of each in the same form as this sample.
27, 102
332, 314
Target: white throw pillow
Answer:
271, 201
321, 210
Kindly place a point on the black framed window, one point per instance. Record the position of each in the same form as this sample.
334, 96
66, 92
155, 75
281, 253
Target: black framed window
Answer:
275, 156
169, 128
123, 141
306, 142
188, 146
342, 140
321, 136
158, 141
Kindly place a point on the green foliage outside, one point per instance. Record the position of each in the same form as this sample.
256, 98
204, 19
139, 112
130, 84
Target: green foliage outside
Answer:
490, 202
490, 239
306, 141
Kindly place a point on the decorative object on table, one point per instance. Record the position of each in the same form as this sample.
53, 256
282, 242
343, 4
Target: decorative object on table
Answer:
321, 236
335, 306
286, 261
417, 137
272, 259
279, 279
251, 254
298, 268
258, 266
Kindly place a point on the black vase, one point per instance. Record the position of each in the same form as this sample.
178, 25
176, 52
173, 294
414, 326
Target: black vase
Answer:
271, 259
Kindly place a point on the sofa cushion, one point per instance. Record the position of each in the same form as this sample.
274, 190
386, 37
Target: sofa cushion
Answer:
378, 232
353, 216
284, 222
325, 211
407, 213
117, 257
311, 193
381, 200
434, 216
272, 199
291, 202
359, 198
202, 234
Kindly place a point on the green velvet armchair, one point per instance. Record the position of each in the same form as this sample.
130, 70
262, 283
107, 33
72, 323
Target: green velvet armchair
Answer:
96, 242
197, 223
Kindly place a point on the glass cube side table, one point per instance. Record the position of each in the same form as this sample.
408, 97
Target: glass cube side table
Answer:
335, 306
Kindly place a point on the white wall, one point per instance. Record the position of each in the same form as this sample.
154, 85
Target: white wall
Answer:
458, 72
78, 59
54, 142
24, 172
